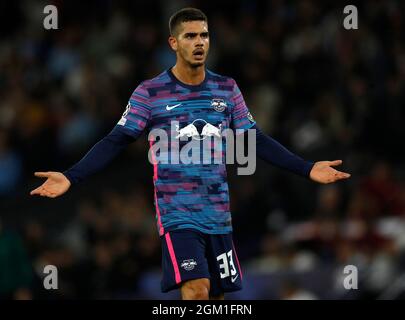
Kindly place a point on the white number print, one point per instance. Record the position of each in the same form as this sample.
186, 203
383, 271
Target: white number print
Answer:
226, 260
233, 269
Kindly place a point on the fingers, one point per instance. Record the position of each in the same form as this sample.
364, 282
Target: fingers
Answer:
47, 194
42, 174
341, 175
323, 172
35, 191
338, 175
41, 191
335, 163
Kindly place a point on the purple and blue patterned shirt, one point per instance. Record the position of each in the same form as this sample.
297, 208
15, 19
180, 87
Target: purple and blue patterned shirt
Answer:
189, 195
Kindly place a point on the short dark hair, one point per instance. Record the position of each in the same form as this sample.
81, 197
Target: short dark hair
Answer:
185, 15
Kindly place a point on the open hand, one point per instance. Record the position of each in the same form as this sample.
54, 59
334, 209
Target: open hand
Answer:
55, 185
323, 172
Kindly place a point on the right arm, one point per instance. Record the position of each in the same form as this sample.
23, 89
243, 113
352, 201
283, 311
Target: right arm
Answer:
100, 155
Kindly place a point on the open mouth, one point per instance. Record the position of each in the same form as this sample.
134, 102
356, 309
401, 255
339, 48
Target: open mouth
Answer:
198, 53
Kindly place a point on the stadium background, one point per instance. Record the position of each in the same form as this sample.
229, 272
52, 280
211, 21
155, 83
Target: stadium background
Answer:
323, 91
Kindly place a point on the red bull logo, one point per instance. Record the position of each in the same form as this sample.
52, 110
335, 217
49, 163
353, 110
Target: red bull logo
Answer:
191, 131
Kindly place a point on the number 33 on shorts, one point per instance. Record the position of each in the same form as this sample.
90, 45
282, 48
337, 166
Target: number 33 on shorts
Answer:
226, 266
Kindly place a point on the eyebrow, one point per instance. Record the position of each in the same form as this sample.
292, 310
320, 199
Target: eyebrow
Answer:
193, 34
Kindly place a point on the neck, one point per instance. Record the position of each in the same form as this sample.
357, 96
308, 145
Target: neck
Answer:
188, 74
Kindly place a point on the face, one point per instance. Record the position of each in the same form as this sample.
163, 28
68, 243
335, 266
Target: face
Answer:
191, 43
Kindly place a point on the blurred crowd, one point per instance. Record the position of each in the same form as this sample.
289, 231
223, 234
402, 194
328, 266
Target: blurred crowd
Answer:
323, 91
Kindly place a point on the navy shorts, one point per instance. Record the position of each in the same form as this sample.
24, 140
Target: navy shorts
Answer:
190, 254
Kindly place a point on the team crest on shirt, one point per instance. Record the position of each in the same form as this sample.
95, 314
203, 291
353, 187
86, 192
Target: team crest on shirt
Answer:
218, 104
188, 264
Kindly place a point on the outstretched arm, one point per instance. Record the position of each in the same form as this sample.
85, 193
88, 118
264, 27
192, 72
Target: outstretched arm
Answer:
98, 157
273, 152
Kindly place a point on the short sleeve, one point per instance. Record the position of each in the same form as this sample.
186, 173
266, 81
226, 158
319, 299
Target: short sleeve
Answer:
241, 117
138, 112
